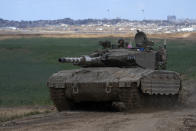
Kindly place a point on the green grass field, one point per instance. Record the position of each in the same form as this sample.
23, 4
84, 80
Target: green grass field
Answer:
26, 64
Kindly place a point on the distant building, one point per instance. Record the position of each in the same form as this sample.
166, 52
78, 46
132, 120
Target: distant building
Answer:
171, 18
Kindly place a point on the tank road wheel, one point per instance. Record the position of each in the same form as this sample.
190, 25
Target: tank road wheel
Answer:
59, 99
131, 97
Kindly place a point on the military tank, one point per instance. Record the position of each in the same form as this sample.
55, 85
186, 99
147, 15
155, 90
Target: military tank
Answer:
117, 75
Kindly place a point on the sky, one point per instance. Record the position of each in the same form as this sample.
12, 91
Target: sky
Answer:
96, 9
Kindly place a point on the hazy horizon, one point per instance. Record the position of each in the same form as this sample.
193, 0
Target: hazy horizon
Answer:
98, 19
96, 9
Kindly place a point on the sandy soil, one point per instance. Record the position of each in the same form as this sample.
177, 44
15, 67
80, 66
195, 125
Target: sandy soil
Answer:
166, 120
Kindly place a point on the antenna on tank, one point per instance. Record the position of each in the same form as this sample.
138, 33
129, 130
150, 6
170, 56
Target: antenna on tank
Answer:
143, 11
108, 11
110, 27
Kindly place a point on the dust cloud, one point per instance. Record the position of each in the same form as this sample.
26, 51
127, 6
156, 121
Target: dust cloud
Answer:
189, 93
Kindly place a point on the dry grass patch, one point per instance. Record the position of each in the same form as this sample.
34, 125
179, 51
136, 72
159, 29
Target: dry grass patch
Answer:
7, 114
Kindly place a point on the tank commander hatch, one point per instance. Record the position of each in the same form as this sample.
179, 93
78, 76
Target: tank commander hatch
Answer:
142, 41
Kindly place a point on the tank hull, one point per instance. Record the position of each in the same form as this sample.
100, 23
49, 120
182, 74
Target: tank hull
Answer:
112, 84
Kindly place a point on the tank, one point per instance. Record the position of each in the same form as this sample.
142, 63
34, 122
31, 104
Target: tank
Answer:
126, 78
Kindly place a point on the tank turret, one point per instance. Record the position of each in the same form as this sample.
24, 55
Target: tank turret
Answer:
143, 55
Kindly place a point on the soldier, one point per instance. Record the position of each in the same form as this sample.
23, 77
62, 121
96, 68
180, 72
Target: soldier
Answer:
142, 41
121, 43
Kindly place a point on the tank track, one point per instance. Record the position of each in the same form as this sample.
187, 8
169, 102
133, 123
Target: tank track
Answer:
59, 99
131, 97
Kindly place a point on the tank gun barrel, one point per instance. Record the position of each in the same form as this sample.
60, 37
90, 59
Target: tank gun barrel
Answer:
83, 60
70, 59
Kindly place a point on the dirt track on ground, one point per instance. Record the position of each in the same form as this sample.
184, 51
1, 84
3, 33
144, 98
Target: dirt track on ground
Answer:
165, 120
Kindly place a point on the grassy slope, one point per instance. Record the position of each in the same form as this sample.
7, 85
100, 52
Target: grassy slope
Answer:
26, 64
182, 57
